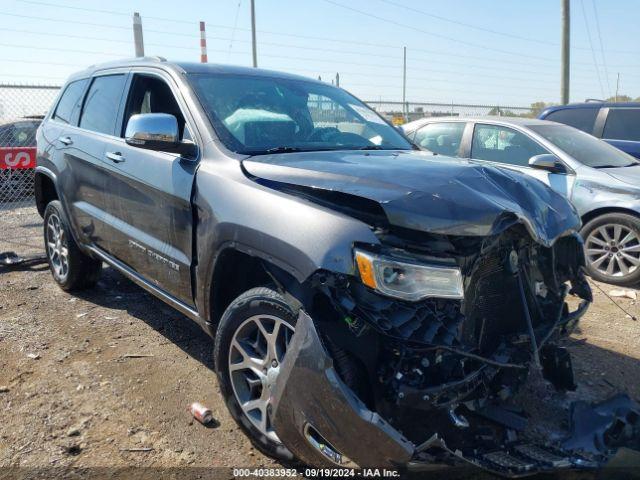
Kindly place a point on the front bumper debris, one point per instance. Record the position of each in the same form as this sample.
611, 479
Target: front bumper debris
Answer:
323, 423
309, 398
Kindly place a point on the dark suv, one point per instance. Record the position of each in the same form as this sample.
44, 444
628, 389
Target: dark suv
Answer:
615, 123
371, 305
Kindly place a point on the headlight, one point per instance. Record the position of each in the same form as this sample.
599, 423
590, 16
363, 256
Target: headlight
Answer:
408, 281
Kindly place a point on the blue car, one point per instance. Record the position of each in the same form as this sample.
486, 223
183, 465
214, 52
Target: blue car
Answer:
615, 123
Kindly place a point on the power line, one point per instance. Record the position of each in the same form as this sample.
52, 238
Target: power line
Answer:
233, 31
308, 37
593, 52
426, 32
468, 25
604, 58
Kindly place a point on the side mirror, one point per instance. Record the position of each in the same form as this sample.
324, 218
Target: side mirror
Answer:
547, 162
156, 131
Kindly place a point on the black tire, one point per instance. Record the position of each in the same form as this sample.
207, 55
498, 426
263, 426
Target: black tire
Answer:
257, 301
82, 271
592, 233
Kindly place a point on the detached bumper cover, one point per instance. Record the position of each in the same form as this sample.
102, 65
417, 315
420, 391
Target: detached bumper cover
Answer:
322, 421
308, 393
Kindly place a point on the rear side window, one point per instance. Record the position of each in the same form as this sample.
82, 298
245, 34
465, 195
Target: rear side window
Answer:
622, 124
70, 101
441, 138
101, 104
580, 118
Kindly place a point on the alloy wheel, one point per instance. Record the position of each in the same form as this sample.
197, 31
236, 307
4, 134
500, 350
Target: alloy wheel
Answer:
613, 250
257, 350
57, 247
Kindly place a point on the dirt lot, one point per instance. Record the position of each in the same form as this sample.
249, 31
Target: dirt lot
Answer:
76, 398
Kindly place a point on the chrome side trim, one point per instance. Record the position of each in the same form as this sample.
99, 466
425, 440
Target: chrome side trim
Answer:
157, 292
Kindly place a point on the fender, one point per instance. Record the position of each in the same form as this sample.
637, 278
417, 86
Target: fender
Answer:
267, 226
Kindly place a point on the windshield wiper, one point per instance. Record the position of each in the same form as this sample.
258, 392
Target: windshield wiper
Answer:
282, 150
618, 166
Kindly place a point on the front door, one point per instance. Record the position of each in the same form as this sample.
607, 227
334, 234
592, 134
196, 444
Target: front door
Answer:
152, 195
512, 149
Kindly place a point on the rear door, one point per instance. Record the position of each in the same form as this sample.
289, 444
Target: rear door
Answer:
86, 178
151, 191
622, 129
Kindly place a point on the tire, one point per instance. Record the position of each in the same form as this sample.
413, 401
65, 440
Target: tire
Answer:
612, 249
264, 305
78, 271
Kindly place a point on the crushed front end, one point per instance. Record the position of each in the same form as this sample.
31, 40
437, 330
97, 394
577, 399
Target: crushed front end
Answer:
471, 369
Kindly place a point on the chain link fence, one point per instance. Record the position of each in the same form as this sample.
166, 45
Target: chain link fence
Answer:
403, 112
21, 111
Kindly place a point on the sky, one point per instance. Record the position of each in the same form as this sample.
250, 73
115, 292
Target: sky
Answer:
490, 52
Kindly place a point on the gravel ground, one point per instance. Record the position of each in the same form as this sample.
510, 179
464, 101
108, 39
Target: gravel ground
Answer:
75, 397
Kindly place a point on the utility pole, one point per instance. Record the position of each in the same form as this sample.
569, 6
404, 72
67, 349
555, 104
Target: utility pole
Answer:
617, 86
404, 83
566, 54
337, 79
253, 33
138, 41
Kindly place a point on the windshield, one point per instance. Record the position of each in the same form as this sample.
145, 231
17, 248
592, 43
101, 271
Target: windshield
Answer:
258, 115
583, 147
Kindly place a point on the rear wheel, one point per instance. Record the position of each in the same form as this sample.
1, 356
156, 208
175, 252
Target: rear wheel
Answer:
612, 249
71, 268
250, 345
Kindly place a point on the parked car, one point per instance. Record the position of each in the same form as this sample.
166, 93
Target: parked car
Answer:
17, 158
602, 182
615, 123
355, 287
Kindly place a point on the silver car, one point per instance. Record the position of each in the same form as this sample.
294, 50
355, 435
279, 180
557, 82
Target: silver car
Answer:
602, 182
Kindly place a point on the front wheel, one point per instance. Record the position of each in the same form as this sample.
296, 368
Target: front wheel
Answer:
250, 345
612, 249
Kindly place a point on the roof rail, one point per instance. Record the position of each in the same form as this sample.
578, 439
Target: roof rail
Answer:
594, 100
156, 58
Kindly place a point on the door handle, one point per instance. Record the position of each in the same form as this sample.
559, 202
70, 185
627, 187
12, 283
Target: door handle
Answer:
115, 157
65, 140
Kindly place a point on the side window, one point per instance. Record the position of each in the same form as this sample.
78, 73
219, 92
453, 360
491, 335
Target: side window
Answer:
580, 118
622, 124
441, 138
150, 94
70, 101
504, 145
23, 134
101, 104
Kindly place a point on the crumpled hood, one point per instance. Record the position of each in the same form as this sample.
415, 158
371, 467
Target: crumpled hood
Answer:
428, 193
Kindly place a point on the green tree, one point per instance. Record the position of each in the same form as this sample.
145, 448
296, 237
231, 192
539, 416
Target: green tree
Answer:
620, 98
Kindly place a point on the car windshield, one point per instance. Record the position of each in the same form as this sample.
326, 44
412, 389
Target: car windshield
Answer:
260, 115
583, 147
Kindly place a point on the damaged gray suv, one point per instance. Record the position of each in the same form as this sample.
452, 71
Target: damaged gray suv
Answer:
371, 305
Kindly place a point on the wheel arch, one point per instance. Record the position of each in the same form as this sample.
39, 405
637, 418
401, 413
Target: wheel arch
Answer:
587, 217
45, 188
235, 271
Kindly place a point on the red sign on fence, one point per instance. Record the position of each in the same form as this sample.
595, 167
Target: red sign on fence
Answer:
14, 158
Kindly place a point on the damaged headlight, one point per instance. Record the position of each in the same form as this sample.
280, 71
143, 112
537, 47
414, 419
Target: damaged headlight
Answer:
408, 281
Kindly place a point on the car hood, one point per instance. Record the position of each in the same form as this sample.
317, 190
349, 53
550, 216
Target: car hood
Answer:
628, 175
423, 192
